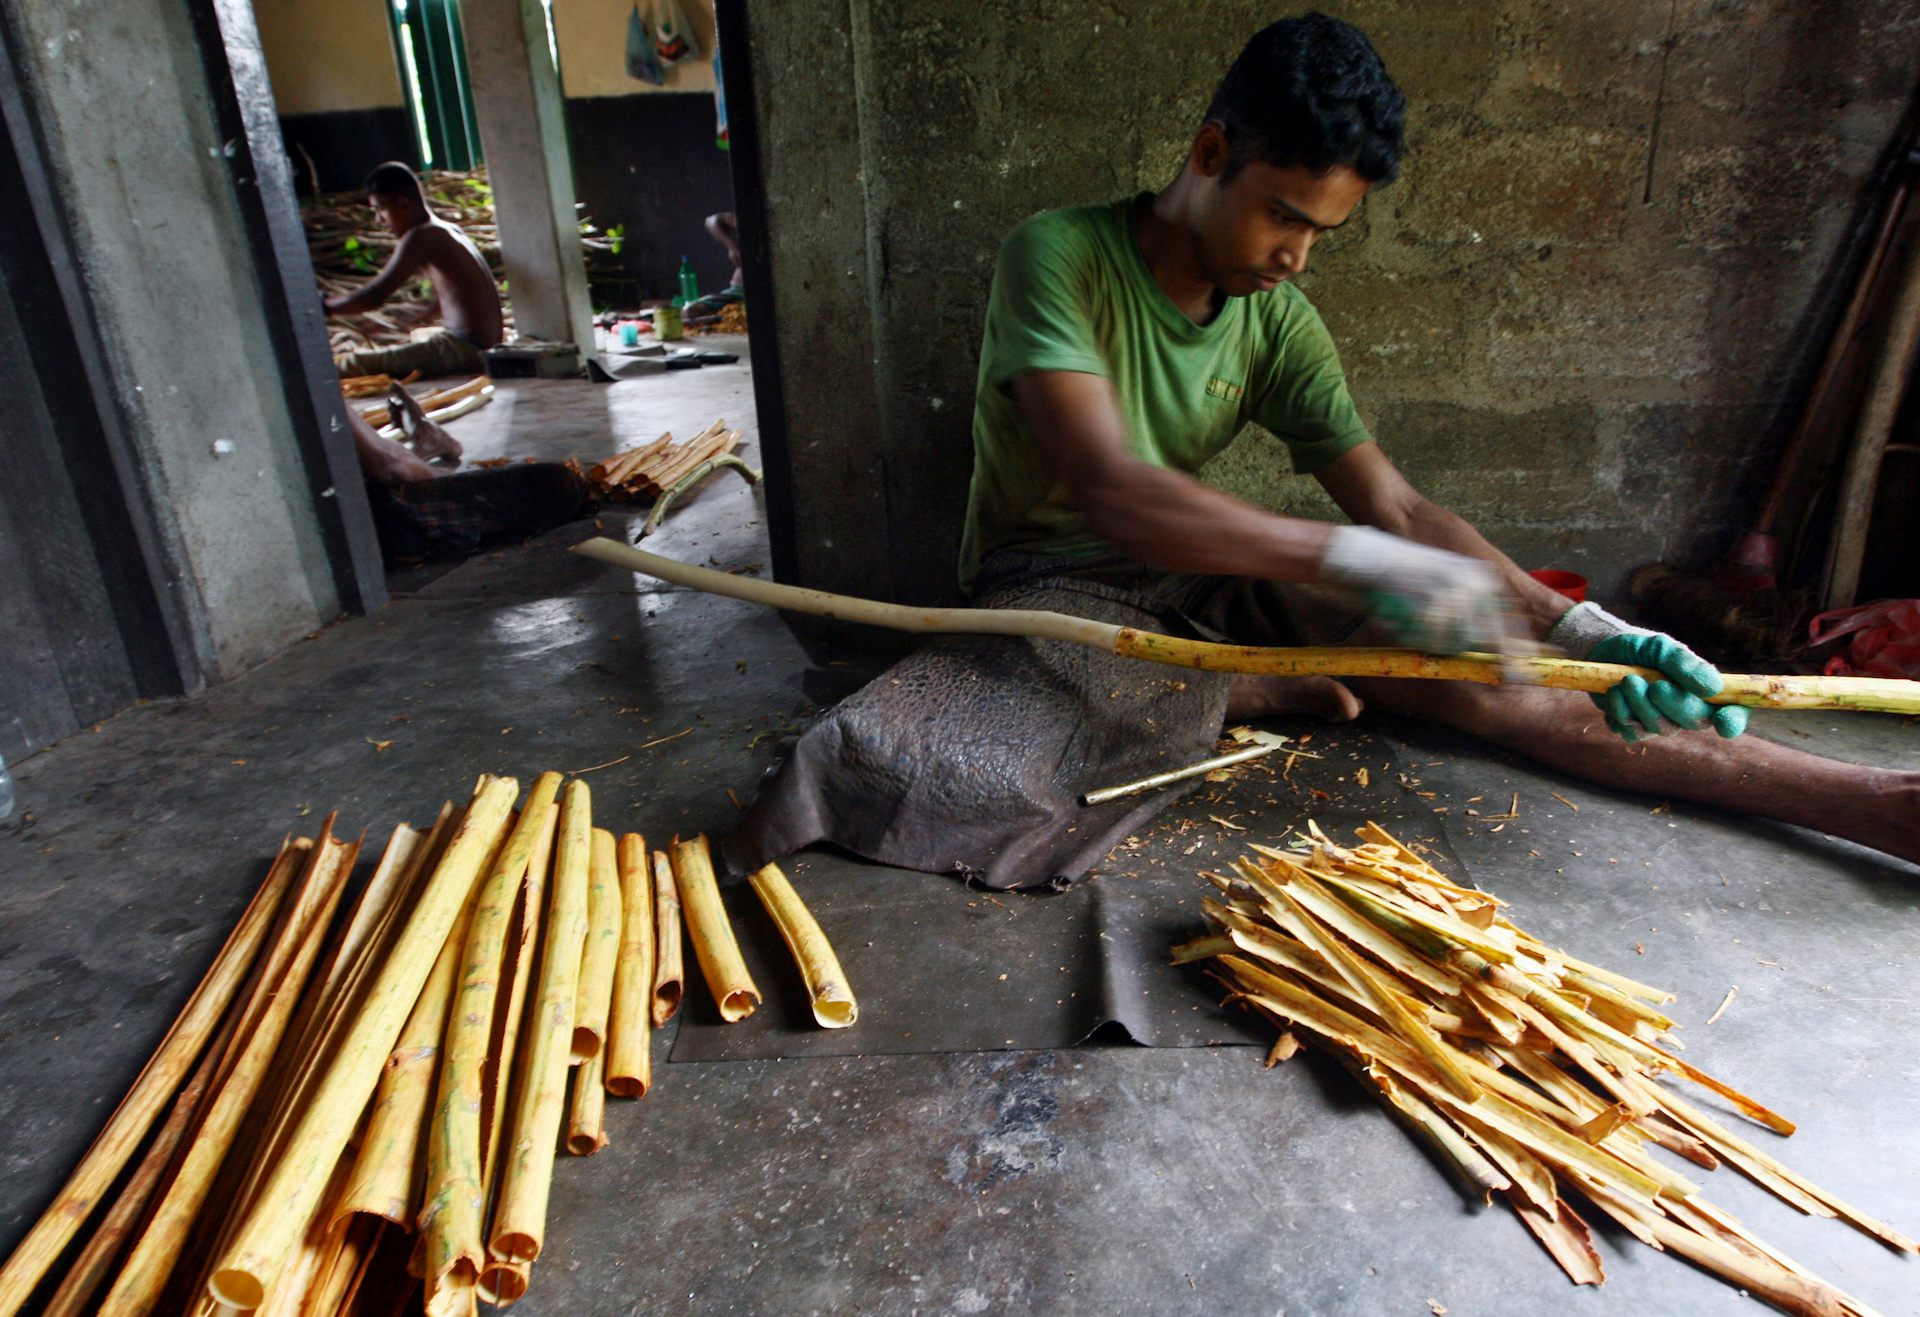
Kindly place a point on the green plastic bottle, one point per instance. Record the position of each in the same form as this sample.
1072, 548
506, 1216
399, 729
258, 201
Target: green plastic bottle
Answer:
689, 283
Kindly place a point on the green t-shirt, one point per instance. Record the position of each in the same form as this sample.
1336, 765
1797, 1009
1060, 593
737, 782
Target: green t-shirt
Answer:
1072, 292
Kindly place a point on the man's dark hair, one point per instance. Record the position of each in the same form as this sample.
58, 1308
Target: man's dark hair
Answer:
394, 179
1311, 91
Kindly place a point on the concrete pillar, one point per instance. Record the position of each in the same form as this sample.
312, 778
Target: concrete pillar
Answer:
142, 195
523, 130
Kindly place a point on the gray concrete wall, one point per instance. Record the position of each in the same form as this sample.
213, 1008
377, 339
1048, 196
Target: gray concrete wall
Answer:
121, 98
1571, 319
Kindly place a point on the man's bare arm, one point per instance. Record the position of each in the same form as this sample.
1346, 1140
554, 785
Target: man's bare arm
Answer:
382, 460
1162, 518
409, 256
1370, 489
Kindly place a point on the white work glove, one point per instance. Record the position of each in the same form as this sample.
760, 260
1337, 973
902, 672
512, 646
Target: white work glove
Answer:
1435, 600
1635, 707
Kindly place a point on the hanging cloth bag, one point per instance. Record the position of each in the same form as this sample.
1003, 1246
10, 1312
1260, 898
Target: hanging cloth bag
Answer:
642, 63
673, 38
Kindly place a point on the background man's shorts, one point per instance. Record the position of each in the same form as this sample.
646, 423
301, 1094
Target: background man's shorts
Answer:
440, 353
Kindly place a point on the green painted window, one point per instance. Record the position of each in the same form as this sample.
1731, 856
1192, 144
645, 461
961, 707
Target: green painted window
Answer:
433, 74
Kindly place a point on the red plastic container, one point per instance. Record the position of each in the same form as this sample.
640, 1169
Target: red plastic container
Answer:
1571, 584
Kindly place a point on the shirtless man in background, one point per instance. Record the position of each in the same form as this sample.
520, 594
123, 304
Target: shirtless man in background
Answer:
463, 286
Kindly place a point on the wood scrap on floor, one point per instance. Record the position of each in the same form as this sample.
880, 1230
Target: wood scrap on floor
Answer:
370, 1075
1533, 1074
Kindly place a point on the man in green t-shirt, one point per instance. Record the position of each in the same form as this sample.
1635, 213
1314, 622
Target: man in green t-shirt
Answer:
1128, 343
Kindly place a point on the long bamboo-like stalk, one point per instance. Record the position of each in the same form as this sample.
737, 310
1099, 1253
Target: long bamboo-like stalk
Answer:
304, 1056
356, 1238
833, 1003
669, 971
377, 917
587, 1113
455, 1189
364, 937
502, 1283
526, 1163
96, 1263
250, 1263
315, 1245
629, 1038
711, 931
320, 866
386, 885
159, 1080
510, 1003
602, 950
1869, 694
290, 963
387, 1174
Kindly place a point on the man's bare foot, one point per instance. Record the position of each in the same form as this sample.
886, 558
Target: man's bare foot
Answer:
1263, 697
430, 441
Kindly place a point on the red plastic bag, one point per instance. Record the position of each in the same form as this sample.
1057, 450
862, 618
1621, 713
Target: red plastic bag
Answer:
1886, 639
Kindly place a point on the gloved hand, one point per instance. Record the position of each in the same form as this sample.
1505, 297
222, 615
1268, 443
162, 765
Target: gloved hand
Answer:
1441, 602
1635, 707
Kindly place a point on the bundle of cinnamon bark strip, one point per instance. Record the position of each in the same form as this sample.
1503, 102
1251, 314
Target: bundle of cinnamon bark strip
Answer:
360, 1105
1536, 1075
645, 473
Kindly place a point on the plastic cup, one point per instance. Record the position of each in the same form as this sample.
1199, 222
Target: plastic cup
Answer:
1571, 584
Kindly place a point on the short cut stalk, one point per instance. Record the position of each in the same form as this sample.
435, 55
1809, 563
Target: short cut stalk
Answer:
833, 1003
669, 970
587, 1117
712, 933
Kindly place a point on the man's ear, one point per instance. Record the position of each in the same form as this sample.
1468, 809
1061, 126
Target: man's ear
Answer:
1208, 155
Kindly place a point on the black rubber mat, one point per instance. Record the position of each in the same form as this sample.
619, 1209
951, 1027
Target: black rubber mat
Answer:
939, 967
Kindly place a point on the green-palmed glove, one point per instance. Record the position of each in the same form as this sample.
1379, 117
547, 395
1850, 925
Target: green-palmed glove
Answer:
1435, 600
1635, 707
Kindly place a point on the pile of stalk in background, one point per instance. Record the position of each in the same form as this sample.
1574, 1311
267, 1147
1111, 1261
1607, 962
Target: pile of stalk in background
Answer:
364, 1098
1531, 1072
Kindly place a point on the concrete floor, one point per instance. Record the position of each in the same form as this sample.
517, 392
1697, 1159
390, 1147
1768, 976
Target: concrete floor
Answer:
1089, 1179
